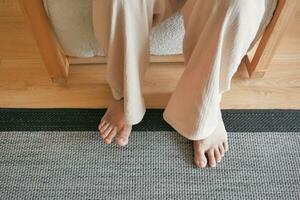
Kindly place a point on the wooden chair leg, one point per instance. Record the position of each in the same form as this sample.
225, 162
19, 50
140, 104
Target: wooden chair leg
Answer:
258, 62
55, 61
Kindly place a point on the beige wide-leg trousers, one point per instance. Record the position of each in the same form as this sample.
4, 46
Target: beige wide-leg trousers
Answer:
218, 35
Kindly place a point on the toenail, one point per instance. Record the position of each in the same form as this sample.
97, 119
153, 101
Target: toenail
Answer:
202, 163
122, 140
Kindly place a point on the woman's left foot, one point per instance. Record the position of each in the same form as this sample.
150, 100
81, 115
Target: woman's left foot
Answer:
210, 150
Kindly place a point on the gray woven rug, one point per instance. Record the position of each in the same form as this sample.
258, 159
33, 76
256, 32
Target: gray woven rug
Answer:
155, 165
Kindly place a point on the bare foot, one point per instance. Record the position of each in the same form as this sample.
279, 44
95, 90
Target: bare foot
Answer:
113, 124
211, 149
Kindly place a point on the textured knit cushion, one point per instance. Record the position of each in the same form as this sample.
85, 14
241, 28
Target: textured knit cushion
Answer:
73, 25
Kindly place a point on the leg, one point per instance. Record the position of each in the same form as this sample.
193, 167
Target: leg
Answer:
122, 28
218, 35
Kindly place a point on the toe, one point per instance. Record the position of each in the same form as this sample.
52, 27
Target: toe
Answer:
111, 135
104, 127
217, 155
107, 131
226, 146
222, 150
211, 158
199, 156
121, 141
200, 159
101, 124
123, 136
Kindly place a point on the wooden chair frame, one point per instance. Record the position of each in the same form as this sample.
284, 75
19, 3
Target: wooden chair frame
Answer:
57, 63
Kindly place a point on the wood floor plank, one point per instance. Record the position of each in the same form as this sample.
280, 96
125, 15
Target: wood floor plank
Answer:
26, 84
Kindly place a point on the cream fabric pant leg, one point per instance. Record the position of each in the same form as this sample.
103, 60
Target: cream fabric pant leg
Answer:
218, 35
122, 28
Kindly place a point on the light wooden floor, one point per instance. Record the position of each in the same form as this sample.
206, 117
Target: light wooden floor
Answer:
25, 83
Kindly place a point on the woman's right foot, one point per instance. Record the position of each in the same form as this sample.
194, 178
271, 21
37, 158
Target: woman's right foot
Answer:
113, 125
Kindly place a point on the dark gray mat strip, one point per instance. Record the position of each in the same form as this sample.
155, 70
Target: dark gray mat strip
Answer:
87, 120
